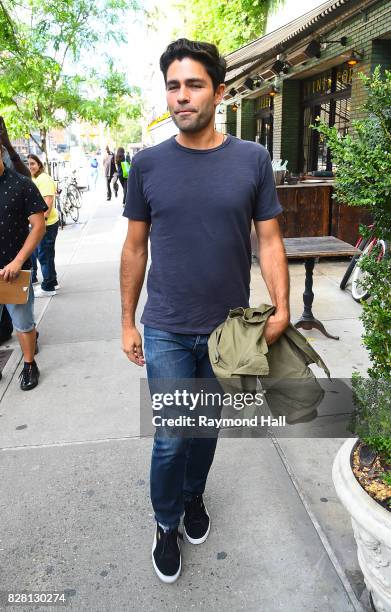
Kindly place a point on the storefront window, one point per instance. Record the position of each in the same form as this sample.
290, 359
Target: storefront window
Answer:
328, 97
264, 122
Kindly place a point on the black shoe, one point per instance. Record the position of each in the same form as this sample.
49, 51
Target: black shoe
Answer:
196, 522
166, 554
29, 376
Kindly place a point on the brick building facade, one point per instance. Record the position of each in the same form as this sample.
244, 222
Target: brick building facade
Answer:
306, 70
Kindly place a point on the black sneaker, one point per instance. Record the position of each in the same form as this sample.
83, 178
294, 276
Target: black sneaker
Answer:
166, 554
29, 376
196, 521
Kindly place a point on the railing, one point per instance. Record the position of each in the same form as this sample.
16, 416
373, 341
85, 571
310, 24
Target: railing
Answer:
58, 169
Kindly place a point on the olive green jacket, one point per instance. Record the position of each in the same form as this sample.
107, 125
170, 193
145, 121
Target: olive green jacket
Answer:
239, 356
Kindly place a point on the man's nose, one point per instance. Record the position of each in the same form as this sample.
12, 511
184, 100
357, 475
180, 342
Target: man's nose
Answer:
183, 94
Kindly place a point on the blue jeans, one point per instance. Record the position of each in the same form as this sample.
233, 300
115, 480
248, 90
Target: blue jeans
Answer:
22, 315
179, 466
45, 253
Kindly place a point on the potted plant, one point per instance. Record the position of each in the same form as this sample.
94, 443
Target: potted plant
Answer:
362, 467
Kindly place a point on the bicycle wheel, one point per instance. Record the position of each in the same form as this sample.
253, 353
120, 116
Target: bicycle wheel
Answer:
352, 264
76, 194
359, 290
73, 210
61, 216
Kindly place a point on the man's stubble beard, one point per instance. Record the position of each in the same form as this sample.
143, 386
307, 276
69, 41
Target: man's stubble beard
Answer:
198, 123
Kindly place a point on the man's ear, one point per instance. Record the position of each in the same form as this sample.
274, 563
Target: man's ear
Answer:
219, 93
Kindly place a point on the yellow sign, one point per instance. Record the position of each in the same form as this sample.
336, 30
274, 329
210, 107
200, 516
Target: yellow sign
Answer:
345, 76
263, 102
322, 83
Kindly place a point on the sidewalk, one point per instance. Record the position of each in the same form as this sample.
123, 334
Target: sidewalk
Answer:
75, 504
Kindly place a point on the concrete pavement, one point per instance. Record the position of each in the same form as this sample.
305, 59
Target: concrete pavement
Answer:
74, 502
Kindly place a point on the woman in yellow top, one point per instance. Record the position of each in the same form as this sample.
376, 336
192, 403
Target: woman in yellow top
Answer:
45, 252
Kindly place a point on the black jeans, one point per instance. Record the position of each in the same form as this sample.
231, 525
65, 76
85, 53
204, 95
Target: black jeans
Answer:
124, 185
45, 253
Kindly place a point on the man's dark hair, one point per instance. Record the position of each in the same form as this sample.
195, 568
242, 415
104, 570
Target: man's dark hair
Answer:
203, 52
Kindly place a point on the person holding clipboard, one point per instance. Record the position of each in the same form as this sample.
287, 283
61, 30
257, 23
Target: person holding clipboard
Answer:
21, 206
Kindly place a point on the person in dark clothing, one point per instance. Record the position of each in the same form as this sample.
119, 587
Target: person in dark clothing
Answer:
193, 198
109, 170
12, 161
21, 207
122, 166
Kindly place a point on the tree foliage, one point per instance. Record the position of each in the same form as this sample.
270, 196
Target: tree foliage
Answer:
44, 81
127, 131
363, 178
228, 23
363, 157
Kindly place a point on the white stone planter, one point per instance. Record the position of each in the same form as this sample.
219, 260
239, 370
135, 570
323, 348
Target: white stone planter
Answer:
371, 526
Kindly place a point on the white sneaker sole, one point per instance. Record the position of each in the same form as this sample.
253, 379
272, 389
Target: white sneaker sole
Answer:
163, 577
199, 540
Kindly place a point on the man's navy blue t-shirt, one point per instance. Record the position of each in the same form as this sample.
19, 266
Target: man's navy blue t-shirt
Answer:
200, 204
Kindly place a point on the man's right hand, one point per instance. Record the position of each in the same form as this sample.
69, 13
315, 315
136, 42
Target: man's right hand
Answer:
132, 345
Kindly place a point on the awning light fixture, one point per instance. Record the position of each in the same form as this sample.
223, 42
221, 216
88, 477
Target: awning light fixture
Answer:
249, 83
355, 57
277, 66
342, 41
313, 49
273, 91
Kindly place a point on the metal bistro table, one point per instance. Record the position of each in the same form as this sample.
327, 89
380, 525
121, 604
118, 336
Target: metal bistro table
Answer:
311, 250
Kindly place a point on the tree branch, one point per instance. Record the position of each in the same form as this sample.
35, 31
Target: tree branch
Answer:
10, 24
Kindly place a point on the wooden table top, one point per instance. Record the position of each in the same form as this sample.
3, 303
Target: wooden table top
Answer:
318, 246
317, 183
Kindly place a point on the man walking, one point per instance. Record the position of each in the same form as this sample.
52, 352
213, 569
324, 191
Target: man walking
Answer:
21, 205
197, 192
109, 170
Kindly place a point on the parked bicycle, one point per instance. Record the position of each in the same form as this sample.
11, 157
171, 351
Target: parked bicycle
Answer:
69, 199
76, 189
366, 246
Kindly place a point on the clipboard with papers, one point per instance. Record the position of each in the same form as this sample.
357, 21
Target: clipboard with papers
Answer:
17, 290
